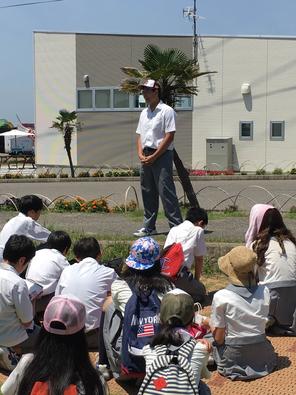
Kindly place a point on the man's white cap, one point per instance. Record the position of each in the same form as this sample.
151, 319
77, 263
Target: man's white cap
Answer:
150, 84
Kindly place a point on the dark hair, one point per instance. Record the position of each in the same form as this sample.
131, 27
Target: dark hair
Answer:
168, 335
30, 202
146, 280
18, 246
272, 225
87, 247
195, 214
61, 361
59, 240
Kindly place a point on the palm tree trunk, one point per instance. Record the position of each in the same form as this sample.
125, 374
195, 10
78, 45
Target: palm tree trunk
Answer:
185, 180
70, 162
67, 139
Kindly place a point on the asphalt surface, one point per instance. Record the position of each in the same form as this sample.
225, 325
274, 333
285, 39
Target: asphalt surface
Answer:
211, 193
117, 226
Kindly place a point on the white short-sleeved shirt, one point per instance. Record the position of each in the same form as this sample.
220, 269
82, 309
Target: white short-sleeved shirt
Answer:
22, 225
90, 282
192, 239
239, 316
153, 125
46, 268
15, 307
278, 266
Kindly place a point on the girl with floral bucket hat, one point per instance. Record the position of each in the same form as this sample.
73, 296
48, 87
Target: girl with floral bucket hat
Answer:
141, 275
239, 315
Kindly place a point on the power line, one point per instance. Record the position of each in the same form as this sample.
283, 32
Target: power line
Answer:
32, 3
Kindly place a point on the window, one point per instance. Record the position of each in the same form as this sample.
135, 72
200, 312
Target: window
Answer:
120, 99
85, 99
184, 102
277, 130
246, 130
102, 98
113, 99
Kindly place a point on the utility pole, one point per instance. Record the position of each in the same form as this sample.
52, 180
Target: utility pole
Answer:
191, 13
195, 41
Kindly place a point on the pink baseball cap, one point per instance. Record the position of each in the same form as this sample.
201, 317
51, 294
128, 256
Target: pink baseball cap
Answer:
67, 310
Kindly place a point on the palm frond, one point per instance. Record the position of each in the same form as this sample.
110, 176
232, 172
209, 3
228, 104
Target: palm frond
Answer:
132, 72
130, 85
171, 67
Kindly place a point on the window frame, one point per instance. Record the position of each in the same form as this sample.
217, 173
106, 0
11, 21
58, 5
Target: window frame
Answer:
277, 138
244, 138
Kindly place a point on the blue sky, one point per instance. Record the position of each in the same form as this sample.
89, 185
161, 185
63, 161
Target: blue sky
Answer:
234, 17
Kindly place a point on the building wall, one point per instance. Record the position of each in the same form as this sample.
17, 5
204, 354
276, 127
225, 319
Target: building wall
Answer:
268, 65
109, 137
55, 89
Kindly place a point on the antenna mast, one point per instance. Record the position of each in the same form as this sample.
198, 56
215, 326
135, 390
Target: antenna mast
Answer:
191, 13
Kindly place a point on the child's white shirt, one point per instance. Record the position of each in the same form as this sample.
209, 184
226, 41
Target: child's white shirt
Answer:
90, 282
278, 267
22, 225
46, 268
15, 307
239, 316
192, 239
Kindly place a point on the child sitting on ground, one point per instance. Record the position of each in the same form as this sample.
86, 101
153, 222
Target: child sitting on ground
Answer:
176, 317
47, 265
275, 246
239, 315
191, 236
60, 363
16, 310
24, 223
91, 282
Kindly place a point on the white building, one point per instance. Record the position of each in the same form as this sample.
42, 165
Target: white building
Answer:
243, 118
251, 99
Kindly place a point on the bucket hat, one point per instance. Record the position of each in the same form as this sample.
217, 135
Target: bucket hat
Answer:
238, 265
143, 254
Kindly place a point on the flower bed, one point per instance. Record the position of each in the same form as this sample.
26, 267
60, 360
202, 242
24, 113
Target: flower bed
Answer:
211, 172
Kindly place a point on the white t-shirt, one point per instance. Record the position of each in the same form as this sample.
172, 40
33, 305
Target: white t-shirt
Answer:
278, 266
90, 282
240, 317
22, 225
15, 307
192, 239
46, 268
153, 125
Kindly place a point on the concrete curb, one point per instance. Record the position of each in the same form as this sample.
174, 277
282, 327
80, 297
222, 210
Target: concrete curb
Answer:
287, 177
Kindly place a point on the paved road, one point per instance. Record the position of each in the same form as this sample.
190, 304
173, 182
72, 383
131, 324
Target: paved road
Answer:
212, 193
117, 226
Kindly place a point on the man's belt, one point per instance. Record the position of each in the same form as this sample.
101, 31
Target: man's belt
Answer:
149, 151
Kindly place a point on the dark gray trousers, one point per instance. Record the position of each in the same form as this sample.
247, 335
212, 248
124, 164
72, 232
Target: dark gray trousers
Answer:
157, 180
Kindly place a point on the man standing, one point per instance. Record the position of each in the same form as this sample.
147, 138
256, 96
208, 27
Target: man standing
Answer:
156, 130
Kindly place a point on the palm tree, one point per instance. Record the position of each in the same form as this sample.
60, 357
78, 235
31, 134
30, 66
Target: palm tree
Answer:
175, 72
66, 122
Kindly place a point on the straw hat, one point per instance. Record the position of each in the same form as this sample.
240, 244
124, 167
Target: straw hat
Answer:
238, 265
